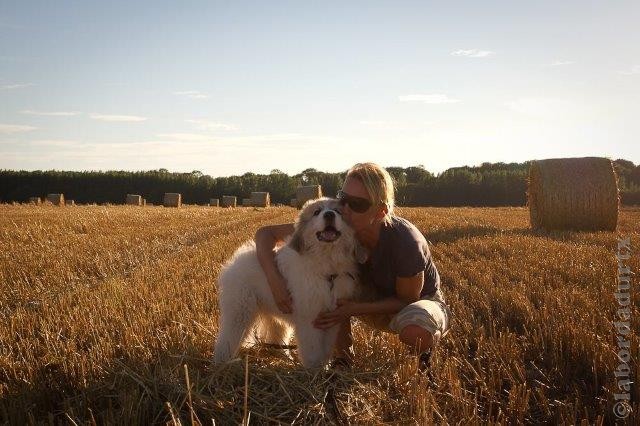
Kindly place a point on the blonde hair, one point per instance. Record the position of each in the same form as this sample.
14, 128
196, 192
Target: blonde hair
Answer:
378, 183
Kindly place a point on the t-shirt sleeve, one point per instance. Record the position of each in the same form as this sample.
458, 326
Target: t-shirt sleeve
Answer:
409, 253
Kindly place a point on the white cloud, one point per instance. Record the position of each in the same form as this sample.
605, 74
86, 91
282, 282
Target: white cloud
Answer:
210, 125
57, 143
8, 129
184, 136
635, 70
559, 63
274, 137
15, 86
548, 108
428, 99
176, 142
381, 124
107, 117
395, 125
173, 151
473, 53
192, 94
377, 123
261, 141
12, 26
50, 113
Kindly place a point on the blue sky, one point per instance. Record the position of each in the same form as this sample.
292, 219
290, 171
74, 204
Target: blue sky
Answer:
231, 87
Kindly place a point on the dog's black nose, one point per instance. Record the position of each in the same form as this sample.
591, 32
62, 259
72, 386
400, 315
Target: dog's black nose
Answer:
329, 215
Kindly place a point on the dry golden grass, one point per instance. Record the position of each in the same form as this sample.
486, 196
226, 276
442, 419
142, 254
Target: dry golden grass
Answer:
108, 315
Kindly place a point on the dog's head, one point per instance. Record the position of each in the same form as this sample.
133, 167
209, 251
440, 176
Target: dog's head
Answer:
320, 226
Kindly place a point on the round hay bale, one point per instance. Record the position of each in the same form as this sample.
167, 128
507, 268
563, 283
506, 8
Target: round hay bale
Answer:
573, 193
229, 201
306, 193
134, 200
56, 199
260, 199
172, 199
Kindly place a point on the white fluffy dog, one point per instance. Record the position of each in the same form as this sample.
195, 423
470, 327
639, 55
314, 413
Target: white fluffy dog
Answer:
319, 264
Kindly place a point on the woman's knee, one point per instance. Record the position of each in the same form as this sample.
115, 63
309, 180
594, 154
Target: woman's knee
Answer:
416, 336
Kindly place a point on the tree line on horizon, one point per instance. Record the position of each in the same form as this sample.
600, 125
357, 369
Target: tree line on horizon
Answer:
490, 184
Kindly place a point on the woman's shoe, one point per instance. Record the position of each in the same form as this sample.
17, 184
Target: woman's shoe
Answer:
424, 361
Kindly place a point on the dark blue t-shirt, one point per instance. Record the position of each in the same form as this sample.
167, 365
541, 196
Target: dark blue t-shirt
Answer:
402, 251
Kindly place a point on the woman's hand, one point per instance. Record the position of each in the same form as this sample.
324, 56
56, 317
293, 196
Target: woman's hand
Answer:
344, 311
282, 296
266, 239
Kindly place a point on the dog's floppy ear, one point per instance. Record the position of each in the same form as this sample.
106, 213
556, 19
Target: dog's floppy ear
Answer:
360, 252
297, 239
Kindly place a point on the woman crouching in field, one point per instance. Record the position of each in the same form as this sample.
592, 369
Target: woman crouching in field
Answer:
399, 270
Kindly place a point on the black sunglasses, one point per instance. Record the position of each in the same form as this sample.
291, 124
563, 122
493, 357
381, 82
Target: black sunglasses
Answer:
357, 204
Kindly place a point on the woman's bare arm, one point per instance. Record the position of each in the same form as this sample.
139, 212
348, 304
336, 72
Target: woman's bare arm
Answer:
407, 291
266, 239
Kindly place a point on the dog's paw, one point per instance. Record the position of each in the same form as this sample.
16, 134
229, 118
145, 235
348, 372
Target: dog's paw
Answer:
221, 357
314, 363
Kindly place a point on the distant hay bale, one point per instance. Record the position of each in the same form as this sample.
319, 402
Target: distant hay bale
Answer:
306, 193
294, 202
35, 200
69, 203
214, 202
229, 200
134, 200
172, 199
246, 202
260, 199
56, 199
573, 193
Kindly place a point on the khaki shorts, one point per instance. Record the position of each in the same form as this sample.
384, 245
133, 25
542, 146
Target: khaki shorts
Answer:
432, 315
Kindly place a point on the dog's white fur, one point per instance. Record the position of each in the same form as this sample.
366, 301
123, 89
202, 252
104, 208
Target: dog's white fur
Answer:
246, 302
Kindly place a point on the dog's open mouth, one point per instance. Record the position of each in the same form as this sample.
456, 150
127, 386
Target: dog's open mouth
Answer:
329, 234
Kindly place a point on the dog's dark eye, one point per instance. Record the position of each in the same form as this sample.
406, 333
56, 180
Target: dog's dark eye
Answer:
338, 211
317, 212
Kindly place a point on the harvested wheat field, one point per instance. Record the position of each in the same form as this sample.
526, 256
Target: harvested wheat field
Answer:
108, 315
